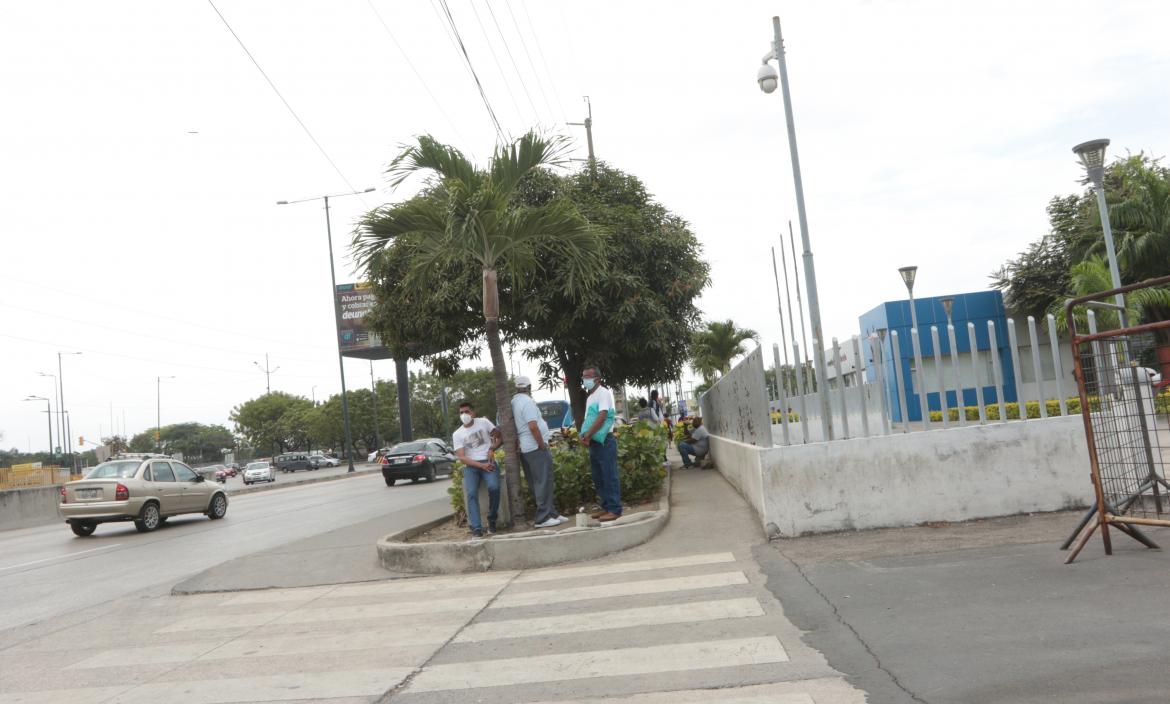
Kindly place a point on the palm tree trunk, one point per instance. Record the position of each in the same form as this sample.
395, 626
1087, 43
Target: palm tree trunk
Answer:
503, 401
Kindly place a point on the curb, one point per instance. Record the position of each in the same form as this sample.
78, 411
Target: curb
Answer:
520, 551
287, 485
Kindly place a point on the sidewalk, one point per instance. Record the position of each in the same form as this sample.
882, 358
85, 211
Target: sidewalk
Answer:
683, 618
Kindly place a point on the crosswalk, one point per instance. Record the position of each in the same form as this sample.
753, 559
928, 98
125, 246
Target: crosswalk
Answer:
696, 628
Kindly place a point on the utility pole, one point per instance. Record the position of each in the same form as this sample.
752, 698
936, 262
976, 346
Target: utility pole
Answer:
267, 371
588, 125
374, 395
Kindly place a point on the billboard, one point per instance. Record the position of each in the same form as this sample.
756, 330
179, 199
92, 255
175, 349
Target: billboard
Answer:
353, 302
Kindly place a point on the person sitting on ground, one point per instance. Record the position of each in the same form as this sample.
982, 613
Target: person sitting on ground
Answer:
645, 412
696, 444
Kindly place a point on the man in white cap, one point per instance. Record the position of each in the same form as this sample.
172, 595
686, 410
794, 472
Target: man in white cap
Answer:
532, 433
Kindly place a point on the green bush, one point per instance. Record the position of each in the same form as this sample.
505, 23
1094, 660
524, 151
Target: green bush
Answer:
640, 448
1013, 409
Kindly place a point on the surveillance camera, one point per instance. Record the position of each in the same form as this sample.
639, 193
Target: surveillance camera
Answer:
767, 78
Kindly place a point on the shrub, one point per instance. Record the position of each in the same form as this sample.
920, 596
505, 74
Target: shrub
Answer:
640, 452
793, 417
1013, 409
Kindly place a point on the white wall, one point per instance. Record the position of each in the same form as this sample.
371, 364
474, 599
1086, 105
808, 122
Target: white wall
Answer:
900, 480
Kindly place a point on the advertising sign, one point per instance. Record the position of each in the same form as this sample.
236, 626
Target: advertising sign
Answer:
353, 302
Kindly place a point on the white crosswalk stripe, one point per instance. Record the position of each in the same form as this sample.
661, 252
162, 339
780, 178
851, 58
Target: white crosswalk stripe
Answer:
623, 567
603, 591
603, 663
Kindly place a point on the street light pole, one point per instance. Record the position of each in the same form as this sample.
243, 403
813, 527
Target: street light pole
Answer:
48, 418
908, 275
158, 411
336, 314
54, 376
1092, 156
767, 80
61, 403
374, 399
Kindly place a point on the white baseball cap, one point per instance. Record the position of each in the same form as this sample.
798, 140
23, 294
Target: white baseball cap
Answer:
523, 382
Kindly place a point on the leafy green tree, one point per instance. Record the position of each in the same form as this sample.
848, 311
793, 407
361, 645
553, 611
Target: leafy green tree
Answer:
116, 443
426, 408
469, 218
274, 422
1092, 275
713, 348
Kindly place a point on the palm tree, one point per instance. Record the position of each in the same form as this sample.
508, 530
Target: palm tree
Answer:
1143, 218
714, 347
466, 217
1092, 275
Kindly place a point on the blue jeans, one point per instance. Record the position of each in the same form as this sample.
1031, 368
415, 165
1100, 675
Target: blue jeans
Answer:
603, 466
471, 477
686, 449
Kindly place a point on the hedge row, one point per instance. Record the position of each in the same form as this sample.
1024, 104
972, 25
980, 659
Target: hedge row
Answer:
1161, 405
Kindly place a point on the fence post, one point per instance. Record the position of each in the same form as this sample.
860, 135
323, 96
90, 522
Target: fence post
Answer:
974, 342
923, 407
841, 389
1054, 343
899, 380
942, 389
1042, 397
861, 385
994, 344
1014, 344
803, 410
879, 356
783, 396
960, 401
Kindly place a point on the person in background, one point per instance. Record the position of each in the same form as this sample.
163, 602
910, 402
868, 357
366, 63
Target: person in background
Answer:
597, 435
532, 433
474, 442
697, 444
644, 412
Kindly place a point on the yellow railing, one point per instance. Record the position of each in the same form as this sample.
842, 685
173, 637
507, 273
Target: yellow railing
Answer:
23, 476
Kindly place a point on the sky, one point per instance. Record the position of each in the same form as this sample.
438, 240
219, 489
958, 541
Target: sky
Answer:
143, 154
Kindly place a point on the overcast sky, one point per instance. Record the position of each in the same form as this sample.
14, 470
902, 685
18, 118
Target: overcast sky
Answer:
142, 154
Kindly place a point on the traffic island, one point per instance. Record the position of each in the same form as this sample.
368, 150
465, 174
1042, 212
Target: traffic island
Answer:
405, 552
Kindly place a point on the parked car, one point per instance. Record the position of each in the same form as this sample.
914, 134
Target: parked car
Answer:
233, 468
260, 471
146, 491
292, 461
319, 461
417, 459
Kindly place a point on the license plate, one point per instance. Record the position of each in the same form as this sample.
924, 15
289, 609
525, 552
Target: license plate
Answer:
89, 493
402, 461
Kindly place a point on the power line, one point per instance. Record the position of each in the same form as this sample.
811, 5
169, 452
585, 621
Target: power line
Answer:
281, 96
515, 66
417, 75
496, 58
540, 50
535, 74
470, 67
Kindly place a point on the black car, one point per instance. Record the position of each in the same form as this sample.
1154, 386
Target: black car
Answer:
419, 459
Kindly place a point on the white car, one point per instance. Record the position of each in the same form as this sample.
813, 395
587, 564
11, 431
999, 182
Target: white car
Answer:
259, 472
377, 455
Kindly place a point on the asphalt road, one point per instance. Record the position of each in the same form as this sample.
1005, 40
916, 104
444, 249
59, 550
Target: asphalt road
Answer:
45, 571
237, 482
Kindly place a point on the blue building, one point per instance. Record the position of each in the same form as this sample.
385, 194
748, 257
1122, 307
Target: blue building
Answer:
977, 308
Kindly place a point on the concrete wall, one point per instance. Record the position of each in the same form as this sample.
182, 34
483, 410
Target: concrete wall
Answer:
736, 407
959, 474
20, 508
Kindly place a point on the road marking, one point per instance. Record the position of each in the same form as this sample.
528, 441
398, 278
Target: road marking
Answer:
602, 663
470, 603
59, 557
421, 585
566, 572
601, 591
693, 612
307, 686
151, 655
88, 695
824, 690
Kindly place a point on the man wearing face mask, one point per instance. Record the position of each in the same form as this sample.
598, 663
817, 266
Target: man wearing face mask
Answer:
474, 442
597, 436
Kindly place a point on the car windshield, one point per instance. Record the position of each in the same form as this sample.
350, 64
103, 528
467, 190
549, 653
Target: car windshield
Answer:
409, 447
258, 465
111, 470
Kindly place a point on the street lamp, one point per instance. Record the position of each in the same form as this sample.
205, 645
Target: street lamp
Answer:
49, 417
948, 305
766, 77
908, 273
54, 377
61, 404
1092, 156
336, 311
158, 410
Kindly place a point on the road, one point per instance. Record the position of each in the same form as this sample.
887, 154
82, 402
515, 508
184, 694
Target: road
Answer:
236, 483
45, 571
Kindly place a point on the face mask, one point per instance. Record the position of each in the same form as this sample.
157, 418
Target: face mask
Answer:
466, 418
588, 383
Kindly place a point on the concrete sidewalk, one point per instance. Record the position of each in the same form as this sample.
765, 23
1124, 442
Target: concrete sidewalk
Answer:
984, 611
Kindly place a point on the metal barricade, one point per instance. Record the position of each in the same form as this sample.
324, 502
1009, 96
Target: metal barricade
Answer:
1125, 404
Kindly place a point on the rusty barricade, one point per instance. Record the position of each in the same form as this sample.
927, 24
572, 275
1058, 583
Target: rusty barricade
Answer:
1121, 371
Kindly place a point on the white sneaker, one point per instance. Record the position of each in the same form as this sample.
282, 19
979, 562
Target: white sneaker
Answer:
562, 519
549, 523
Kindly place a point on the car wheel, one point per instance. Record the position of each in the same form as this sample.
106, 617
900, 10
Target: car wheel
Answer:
431, 473
162, 519
389, 481
83, 530
218, 507
148, 518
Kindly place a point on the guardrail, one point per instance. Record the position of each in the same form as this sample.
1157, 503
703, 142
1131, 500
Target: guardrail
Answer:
26, 477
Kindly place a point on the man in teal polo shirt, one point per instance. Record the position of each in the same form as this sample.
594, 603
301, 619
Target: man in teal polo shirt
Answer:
596, 435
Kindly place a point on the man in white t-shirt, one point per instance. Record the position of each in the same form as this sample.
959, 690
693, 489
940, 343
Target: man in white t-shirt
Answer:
474, 443
597, 435
532, 433
697, 444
